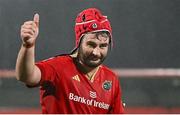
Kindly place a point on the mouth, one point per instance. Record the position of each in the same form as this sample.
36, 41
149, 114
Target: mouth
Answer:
93, 58
93, 61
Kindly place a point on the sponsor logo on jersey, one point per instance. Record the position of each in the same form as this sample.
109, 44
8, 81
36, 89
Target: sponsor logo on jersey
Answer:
89, 102
76, 77
92, 94
107, 85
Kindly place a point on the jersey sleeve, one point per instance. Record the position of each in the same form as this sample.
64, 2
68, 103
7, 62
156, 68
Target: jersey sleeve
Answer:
117, 107
47, 69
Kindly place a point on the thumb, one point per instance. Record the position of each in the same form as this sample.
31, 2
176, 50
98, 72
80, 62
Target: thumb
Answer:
36, 19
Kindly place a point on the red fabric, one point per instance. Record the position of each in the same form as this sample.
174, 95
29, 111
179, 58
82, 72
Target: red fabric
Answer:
64, 89
91, 20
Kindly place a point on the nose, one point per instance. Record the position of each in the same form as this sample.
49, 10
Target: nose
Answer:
96, 51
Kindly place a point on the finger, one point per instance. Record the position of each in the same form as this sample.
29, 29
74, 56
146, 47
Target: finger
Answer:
36, 19
28, 23
26, 36
30, 27
28, 31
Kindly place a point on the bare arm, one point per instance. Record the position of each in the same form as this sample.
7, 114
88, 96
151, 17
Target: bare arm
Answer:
26, 70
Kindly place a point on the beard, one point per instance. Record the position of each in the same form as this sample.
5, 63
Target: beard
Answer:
92, 62
89, 59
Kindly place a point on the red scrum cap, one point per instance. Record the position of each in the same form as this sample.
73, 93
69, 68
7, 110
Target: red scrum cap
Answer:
91, 20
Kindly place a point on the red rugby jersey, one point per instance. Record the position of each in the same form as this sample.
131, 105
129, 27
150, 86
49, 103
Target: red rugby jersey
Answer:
65, 89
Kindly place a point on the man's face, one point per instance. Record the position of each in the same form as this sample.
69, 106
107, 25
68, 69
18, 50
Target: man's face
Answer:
93, 49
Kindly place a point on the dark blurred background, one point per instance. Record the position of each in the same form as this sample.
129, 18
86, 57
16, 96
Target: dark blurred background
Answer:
145, 33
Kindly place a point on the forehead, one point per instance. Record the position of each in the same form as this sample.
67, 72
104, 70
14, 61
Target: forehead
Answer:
97, 36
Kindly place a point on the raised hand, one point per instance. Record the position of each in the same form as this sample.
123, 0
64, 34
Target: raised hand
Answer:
29, 32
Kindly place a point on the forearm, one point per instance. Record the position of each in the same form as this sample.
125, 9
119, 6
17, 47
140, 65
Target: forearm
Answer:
26, 70
25, 63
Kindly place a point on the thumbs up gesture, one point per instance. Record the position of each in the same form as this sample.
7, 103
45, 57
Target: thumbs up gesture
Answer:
29, 32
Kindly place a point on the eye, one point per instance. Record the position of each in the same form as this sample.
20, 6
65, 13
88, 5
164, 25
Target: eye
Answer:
103, 45
91, 44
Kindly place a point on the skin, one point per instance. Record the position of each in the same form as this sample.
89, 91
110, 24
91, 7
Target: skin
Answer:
26, 71
92, 51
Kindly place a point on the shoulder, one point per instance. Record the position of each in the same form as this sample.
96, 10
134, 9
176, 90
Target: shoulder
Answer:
57, 59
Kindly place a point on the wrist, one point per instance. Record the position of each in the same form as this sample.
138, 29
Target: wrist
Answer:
27, 45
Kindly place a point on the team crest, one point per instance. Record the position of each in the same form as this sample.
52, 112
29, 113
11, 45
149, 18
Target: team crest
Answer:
107, 85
